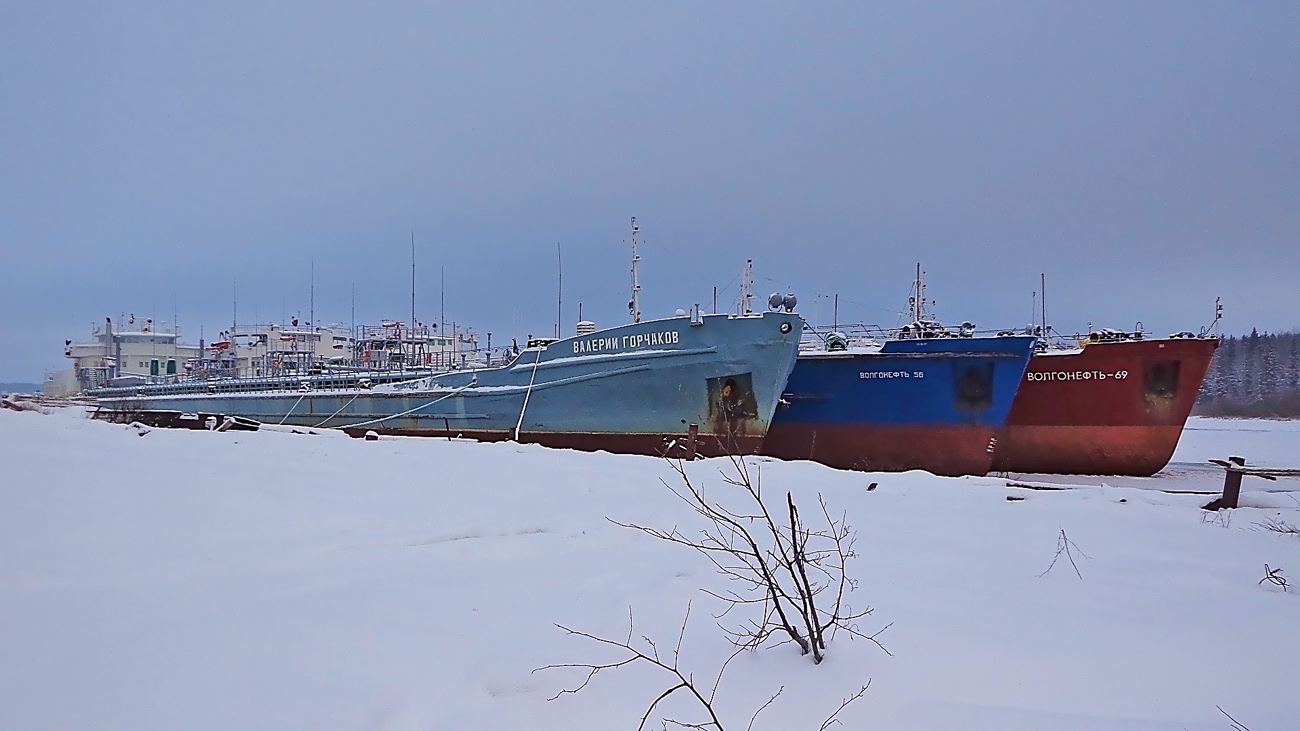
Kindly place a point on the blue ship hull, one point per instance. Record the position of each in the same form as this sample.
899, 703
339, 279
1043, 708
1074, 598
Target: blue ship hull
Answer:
648, 388
934, 405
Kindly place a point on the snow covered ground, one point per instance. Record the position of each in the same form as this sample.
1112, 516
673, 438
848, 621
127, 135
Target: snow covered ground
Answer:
274, 580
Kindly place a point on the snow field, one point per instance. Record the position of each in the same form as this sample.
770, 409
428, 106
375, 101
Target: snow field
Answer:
274, 580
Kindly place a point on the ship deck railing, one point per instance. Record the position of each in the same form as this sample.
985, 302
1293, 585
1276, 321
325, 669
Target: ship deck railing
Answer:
329, 381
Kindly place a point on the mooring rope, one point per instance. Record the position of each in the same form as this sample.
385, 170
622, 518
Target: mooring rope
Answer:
527, 393
336, 413
291, 408
410, 411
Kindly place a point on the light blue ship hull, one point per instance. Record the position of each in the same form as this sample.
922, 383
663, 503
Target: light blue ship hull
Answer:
643, 388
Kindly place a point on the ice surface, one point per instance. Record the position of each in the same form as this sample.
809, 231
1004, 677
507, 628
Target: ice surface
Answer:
274, 580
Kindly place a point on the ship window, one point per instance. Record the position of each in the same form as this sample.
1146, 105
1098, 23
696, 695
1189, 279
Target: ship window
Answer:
1162, 379
974, 385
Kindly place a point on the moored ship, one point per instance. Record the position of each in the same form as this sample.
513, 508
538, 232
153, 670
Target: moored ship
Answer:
930, 397
930, 403
704, 383
681, 386
1115, 405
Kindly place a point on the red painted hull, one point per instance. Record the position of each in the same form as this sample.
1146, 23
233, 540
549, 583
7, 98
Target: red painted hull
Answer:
1112, 409
660, 445
943, 450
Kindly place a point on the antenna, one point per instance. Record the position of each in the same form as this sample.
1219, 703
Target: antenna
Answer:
1218, 315
1042, 279
311, 307
412, 292
634, 306
746, 285
234, 321
442, 295
559, 294
835, 318
917, 301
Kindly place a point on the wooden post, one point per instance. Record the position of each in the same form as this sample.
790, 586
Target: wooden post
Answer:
1232, 483
1235, 469
692, 436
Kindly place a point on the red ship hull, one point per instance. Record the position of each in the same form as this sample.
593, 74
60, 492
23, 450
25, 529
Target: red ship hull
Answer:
947, 449
1113, 408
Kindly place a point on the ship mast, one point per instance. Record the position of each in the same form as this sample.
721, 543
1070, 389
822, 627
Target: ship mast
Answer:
918, 296
746, 288
1042, 283
559, 289
634, 306
412, 330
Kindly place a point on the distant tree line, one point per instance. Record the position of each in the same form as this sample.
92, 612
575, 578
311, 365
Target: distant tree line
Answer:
1254, 375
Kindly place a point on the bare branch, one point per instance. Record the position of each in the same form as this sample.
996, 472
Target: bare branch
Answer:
833, 717
662, 696
718, 681
677, 651
1064, 546
682, 682
1236, 725
761, 708
1275, 576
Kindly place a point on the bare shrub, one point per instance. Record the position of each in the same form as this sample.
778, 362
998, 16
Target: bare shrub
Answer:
796, 576
703, 696
1277, 525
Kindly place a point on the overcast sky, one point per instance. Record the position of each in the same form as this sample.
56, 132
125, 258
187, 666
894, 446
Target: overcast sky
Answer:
156, 158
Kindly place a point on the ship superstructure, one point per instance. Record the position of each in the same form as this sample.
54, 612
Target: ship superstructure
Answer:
133, 352
129, 350
269, 350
